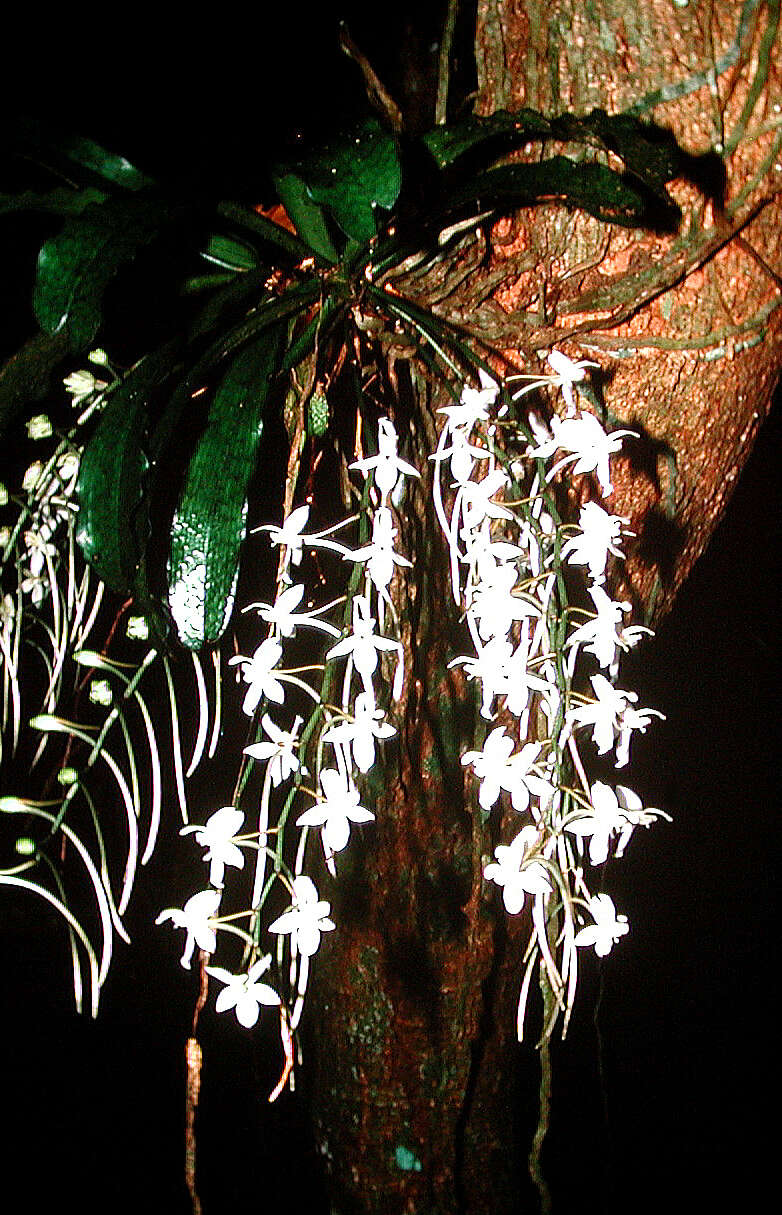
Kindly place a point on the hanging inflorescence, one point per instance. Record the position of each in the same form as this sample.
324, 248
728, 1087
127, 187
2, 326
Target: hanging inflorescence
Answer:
510, 555
514, 570
344, 701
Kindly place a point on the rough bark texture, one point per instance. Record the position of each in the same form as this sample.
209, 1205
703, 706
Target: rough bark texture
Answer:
414, 998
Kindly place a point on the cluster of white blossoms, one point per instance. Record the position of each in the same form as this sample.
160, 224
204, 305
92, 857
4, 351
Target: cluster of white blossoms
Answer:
342, 733
40, 580
508, 550
509, 553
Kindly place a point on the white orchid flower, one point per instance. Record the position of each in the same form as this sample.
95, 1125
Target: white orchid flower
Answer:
489, 666
599, 535
364, 645
491, 765
379, 555
307, 918
285, 619
243, 992
604, 818
338, 808
462, 455
607, 928
517, 878
360, 734
218, 836
257, 672
292, 538
519, 682
476, 499
632, 719
474, 403
522, 778
602, 634
196, 918
280, 753
82, 384
565, 373
604, 713
635, 814
587, 444
494, 607
386, 465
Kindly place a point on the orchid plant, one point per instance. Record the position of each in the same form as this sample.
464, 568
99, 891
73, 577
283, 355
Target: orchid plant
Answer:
288, 319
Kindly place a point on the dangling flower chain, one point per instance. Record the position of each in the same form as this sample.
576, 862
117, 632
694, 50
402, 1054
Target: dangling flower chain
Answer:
351, 729
508, 552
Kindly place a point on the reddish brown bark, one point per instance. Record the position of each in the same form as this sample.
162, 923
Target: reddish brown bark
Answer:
414, 998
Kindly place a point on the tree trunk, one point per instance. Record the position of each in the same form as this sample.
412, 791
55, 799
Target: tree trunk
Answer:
413, 1004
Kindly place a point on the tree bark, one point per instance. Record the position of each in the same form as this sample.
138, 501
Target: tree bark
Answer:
412, 1016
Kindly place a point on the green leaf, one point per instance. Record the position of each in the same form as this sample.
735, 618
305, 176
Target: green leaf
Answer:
210, 521
112, 478
353, 176
230, 253
270, 233
604, 193
72, 156
60, 201
75, 266
108, 165
448, 143
307, 216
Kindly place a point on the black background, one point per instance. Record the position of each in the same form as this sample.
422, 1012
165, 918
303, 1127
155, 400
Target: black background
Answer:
688, 1012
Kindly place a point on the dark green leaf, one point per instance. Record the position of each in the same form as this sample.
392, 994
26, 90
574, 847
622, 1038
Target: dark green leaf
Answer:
230, 253
307, 216
209, 523
608, 195
81, 160
230, 302
112, 477
351, 176
647, 151
61, 201
448, 143
264, 228
108, 165
77, 264
271, 310
355, 175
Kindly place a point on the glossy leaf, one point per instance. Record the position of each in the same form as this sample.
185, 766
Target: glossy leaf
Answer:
75, 266
353, 176
307, 216
604, 193
112, 477
72, 156
230, 253
262, 228
448, 143
210, 521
